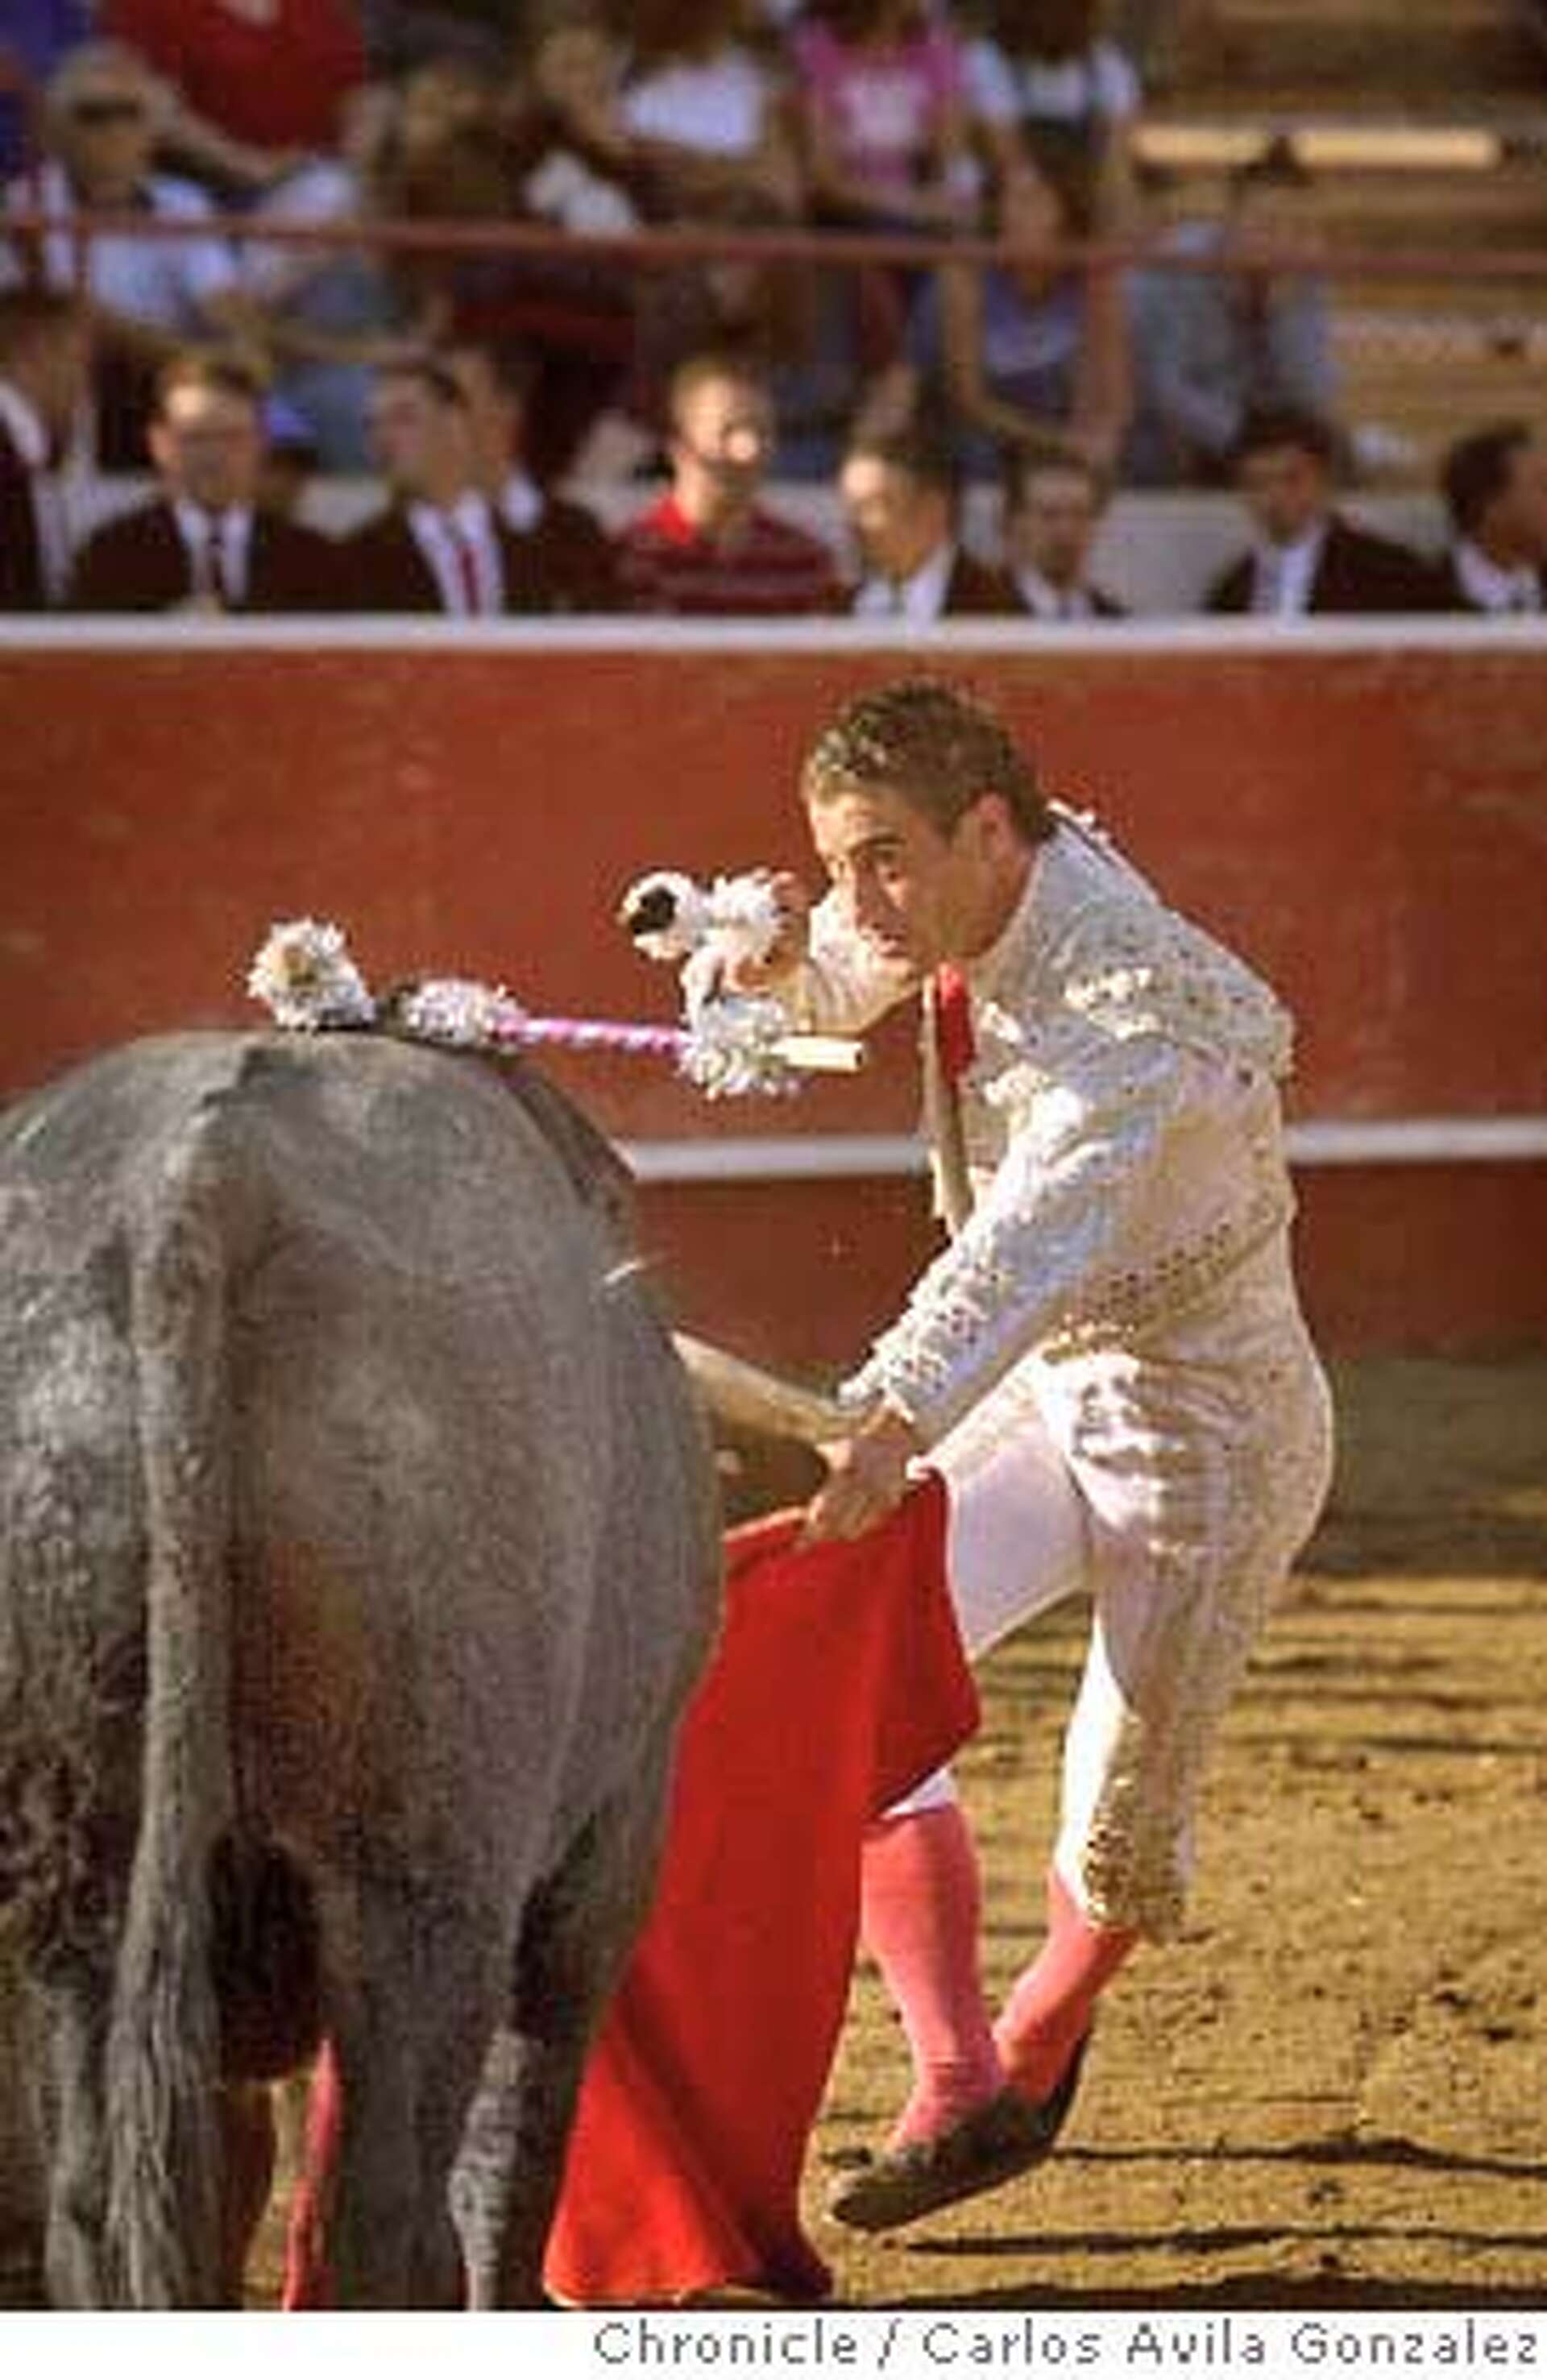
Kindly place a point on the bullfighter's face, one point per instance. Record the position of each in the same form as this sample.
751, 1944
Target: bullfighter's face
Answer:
917, 895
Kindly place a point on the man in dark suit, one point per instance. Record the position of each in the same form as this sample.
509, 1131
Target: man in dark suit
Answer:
1495, 490
204, 543
570, 549
1052, 510
45, 362
902, 501
438, 545
1306, 555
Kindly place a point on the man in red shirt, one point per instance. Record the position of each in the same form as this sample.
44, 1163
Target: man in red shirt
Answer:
708, 546
270, 73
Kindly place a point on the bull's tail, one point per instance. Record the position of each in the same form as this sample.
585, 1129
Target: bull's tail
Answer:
166, 2160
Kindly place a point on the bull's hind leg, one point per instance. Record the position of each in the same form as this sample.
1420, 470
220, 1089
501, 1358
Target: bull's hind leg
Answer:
407, 2023
75, 2014
575, 1937
449, 2083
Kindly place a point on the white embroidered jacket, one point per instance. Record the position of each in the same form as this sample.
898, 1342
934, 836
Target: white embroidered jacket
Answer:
1119, 1131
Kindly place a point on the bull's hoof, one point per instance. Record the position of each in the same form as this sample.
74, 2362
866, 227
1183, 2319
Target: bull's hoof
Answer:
1006, 2136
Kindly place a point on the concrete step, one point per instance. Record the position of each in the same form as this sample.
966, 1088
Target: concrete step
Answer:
1448, 214
1403, 50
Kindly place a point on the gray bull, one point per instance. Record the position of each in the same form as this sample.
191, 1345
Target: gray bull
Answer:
358, 1549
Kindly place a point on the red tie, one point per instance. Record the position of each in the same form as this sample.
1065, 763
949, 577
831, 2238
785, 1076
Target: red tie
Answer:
955, 1043
466, 564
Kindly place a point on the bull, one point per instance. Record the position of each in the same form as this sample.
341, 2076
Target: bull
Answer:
358, 1546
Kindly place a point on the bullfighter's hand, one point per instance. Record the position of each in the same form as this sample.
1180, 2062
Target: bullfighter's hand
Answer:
867, 1478
793, 903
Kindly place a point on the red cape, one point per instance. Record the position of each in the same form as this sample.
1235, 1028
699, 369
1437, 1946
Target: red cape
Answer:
839, 1681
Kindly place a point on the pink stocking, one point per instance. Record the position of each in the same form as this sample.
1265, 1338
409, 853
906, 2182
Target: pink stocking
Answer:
919, 1919
1051, 2003
307, 2284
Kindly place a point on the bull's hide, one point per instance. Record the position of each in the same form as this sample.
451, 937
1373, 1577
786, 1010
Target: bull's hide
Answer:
20, 2171
357, 1548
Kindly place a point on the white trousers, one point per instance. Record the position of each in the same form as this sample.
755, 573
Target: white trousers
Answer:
1174, 1486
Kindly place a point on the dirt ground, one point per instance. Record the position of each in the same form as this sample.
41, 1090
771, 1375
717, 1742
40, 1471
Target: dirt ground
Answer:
1330, 2092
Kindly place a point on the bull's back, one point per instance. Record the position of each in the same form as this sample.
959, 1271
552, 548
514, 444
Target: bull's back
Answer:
426, 1426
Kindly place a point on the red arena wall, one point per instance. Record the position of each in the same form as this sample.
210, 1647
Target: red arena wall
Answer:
1363, 815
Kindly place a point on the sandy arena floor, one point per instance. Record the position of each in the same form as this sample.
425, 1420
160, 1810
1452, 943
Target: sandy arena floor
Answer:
1330, 2093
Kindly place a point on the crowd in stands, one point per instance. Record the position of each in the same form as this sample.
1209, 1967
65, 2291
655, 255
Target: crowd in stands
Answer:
464, 528
229, 361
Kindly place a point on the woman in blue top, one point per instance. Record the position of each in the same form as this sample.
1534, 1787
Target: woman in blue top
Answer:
1033, 353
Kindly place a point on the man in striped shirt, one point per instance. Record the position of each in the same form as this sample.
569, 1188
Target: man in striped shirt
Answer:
708, 547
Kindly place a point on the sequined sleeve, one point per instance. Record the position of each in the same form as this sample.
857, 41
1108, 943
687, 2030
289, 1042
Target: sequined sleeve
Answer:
1061, 1244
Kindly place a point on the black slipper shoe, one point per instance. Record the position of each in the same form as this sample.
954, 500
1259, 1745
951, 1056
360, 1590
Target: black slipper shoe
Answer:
1006, 2136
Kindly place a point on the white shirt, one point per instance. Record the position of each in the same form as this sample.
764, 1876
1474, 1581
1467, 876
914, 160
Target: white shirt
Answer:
719, 106
1050, 602
1004, 88
323, 191
444, 537
920, 599
1284, 575
24, 426
1492, 588
564, 190
219, 547
166, 282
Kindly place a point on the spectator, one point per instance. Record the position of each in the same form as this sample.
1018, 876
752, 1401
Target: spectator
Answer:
460, 153
1209, 346
271, 76
703, 111
901, 500
34, 37
1306, 556
203, 543
44, 368
1495, 490
574, 313
449, 160
1046, 80
708, 547
879, 89
438, 545
707, 139
880, 93
1033, 354
331, 316
572, 553
1052, 511
564, 111
148, 298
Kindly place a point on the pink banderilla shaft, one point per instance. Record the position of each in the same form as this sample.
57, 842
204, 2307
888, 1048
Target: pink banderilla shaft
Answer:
591, 1033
